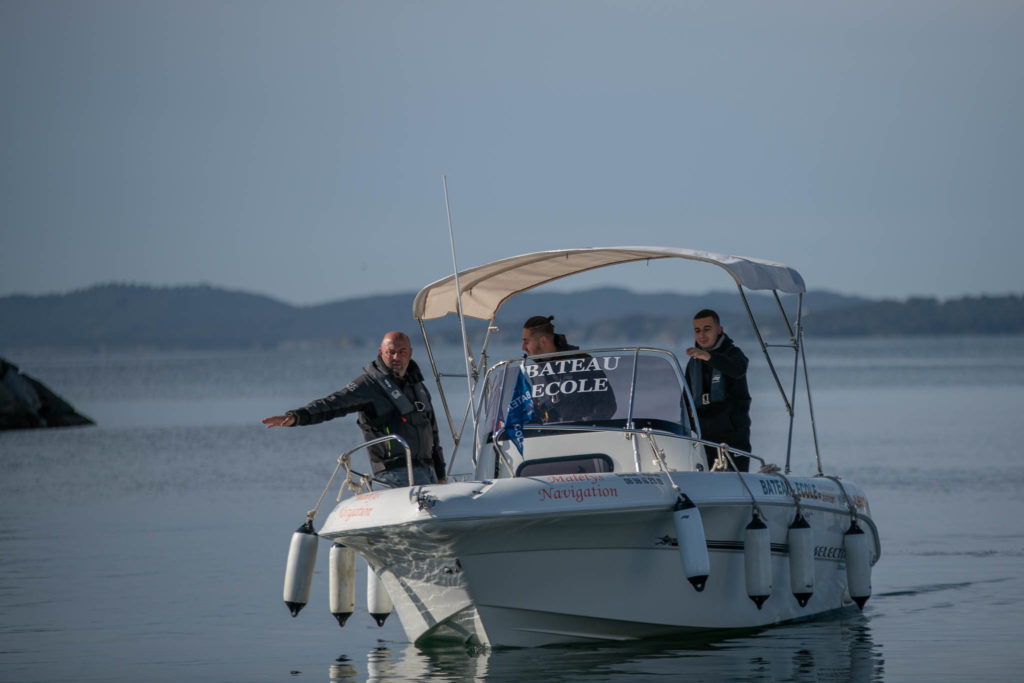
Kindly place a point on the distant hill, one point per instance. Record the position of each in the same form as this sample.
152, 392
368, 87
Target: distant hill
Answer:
116, 316
965, 316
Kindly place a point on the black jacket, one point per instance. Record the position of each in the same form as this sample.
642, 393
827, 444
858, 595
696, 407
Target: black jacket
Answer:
380, 416
725, 417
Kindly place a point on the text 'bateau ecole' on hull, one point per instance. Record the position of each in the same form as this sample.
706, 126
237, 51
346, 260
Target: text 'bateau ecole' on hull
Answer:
602, 527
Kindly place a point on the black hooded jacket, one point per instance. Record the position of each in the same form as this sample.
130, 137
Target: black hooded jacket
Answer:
380, 416
725, 416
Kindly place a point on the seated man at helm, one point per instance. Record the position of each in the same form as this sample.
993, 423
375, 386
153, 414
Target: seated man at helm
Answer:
570, 388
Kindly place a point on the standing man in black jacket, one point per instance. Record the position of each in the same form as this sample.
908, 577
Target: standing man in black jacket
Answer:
717, 375
391, 399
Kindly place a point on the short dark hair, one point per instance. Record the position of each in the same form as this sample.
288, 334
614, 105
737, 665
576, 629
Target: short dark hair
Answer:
707, 313
540, 324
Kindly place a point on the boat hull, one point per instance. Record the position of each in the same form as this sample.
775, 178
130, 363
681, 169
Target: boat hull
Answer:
561, 559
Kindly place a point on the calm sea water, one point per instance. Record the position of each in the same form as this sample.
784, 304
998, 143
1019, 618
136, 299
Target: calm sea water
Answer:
152, 546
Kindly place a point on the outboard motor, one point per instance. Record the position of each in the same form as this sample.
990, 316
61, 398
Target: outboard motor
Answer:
298, 573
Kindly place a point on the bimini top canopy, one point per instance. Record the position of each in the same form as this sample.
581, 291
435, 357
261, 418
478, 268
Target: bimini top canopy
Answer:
486, 288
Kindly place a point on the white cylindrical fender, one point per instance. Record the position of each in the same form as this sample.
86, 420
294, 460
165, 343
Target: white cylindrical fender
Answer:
298, 573
693, 546
801, 559
757, 560
858, 563
378, 602
342, 580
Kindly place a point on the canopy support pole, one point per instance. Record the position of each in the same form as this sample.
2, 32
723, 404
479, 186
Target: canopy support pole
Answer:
796, 369
440, 389
764, 350
807, 382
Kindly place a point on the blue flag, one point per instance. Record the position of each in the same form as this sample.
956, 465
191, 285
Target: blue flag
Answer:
520, 410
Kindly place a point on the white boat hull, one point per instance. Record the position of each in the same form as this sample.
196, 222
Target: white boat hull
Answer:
559, 559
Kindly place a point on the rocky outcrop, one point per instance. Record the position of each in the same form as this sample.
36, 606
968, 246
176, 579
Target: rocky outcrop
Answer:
26, 403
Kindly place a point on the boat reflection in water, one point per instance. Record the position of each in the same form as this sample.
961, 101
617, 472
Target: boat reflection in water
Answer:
838, 648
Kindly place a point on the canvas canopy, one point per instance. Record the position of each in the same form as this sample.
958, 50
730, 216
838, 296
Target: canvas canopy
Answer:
486, 288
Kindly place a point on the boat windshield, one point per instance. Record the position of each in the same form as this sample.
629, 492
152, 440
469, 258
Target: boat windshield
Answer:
616, 388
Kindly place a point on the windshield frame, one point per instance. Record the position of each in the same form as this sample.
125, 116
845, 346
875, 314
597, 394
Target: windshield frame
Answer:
487, 417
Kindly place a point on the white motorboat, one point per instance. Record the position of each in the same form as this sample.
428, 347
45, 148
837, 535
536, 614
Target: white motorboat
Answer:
607, 524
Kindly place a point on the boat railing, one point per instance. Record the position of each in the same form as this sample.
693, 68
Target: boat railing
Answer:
726, 452
345, 460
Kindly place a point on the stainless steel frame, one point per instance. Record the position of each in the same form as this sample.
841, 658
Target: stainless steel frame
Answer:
795, 330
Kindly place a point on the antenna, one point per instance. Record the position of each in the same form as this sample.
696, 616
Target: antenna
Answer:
462, 319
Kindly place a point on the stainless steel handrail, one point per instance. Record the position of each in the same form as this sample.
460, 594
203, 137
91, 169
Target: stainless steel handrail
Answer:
382, 439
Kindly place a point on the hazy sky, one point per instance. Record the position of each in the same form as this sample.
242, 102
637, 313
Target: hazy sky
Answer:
296, 148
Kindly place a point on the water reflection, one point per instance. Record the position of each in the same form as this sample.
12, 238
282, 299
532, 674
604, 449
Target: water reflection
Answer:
837, 648
343, 671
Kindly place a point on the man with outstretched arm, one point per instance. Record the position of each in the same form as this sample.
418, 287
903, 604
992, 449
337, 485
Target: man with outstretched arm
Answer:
390, 398
717, 376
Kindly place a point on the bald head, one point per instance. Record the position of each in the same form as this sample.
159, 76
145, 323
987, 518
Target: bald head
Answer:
396, 351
